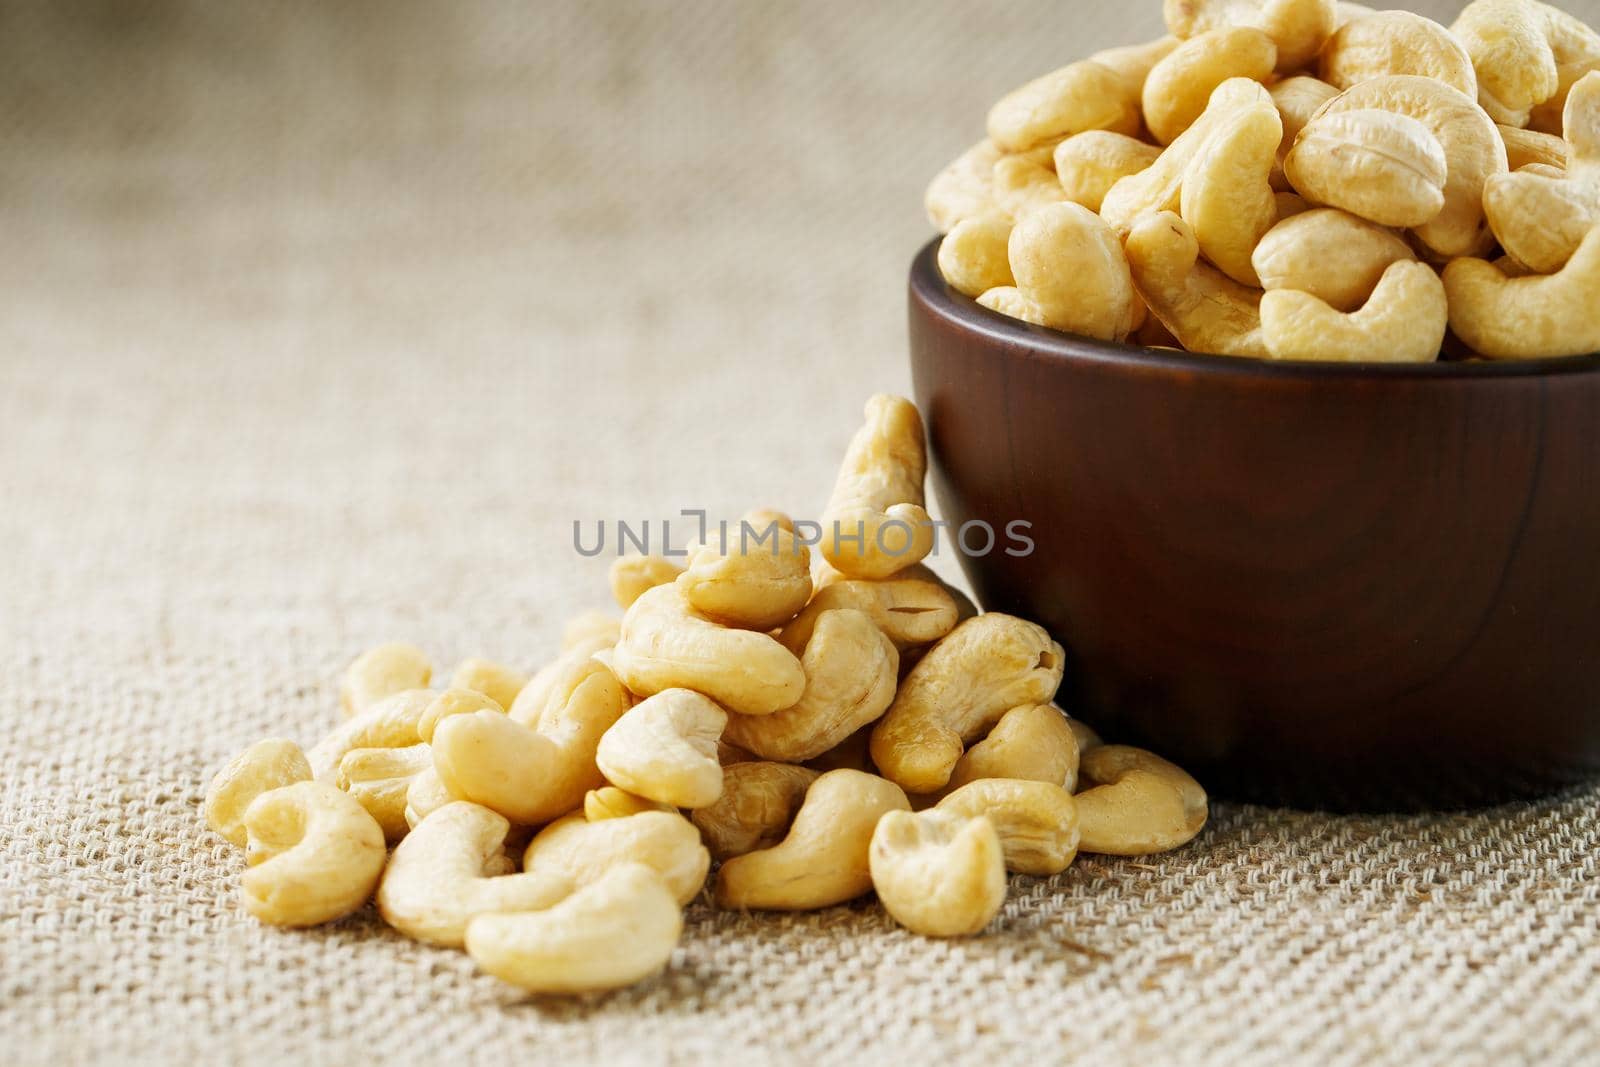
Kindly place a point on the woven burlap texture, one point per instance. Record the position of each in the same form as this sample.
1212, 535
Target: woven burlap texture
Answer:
320, 326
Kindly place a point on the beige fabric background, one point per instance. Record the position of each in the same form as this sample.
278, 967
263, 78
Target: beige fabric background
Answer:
320, 323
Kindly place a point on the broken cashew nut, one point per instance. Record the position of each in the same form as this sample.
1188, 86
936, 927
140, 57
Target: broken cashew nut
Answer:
633, 576
314, 855
1402, 322
264, 766
938, 873
665, 749
875, 523
1136, 803
1527, 56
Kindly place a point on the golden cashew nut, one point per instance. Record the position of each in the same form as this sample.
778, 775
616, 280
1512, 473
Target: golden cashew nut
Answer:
264, 766
314, 855
851, 669
632, 576
1380, 166
937, 873
1136, 803
496, 681
1082, 96
1540, 218
584, 852
378, 778
1037, 821
609, 802
1329, 254
1527, 56
875, 523
382, 672
1034, 742
450, 869
748, 577
1396, 42
963, 189
958, 691
1026, 181
1179, 88
1299, 28
1205, 309
1532, 317
973, 257
1227, 196
665, 749
1402, 322
911, 611
1090, 163
1070, 265
390, 723
758, 803
618, 931
823, 860
666, 644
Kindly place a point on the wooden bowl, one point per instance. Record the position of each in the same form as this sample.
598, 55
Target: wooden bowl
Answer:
1356, 586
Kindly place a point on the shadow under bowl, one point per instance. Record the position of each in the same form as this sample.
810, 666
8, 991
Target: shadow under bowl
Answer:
1347, 586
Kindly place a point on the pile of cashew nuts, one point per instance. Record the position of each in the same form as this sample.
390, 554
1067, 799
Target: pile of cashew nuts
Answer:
819, 725
1298, 180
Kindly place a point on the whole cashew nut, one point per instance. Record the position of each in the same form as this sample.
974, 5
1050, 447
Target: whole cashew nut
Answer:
1089, 164
1330, 254
851, 669
1082, 96
496, 681
314, 855
875, 523
584, 851
963, 189
1527, 55
1034, 742
1136, 803
390, 723
972, 256
958, 691
1402, 322
938, 873
1037, 821
1205, 309
753, 579
1180, 86
824, 858
665, 749
618, 931
1396, 42
1298, 27
1378, 165
1070, 265
447, 871
1531, 317
632, 576
378, 779
382, 672
1540, 219
911, 611
1227, 196
758, 803
264, 766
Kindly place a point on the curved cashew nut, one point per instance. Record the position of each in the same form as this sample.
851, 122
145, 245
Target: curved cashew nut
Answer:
1034, 742
453, 702
758, 803
911, 611
1136, 803
1375, 164
875, 524
314, 855
753, 579
1090, 163
1402, 322
382, 672
1298, 27
851, 669
963, 189
1205, 309
1134, 62
938, 873
666, 644
972, 256
1180, 86
1532, 317
1026, 181
378, 778
1082, 96
496, 681
264, 766
618, 931
958, 691
1540, 218
1037, 821
390, 723
823, 859
1396, 42
665, 749
442, 875
1227, 197
632, 576
609, 802
584, 851
1527, 56
1334, 256
1070, 265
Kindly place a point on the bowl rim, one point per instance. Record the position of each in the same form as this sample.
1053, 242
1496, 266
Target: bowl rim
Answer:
928, 288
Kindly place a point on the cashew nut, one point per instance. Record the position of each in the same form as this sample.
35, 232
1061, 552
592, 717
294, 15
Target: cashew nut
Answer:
1334, 256
378, 779
754, 579
1069, 264
609, 802
632, 576
1227, 196
1087, 166
1037, 821
264, 766
618, 931
758, 803
963, 189
665, 749
1134, 62
1396, 42
1539, 218
875, 524
496, 681
1527, 147
958, 691
390, 723
1381, 166
425, 795
1026, 181
823, 859
1527, 55
851, 668
1402, 322
911, 611
382, 672
584, 851
314, 855
1136, 803
1205, 309
1034, 742
1008, 300
449, 869
972, 256
666, 644
1298, 99
1180, 86
1532, 317
453, 702
1298, 27
938, 873
1082, 96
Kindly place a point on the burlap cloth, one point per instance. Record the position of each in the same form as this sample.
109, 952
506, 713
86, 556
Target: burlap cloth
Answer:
320, 325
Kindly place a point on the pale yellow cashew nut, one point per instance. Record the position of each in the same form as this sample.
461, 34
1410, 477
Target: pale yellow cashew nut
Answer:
912, 611
1534, 317
1299, 28
972, 256
1297, 99
314, 855
1082, 96
1008, 300
1037, 821
937, 873
1330, 254
584, 852
1387, 168
1402, 322
963, 189
1205, 309
1070, 265
1026, 181
1227, 197
1396, 42
378, 778
453, 702
1034, 742
1179, 88
1134, 62
632, 576
609, 802
754, 579
758, 803
1527, 55
496, 681
1540, 218
264, 766
1136, 803
665, 749
1090, 163
875, 523
390, 723
382, 672
1527, 147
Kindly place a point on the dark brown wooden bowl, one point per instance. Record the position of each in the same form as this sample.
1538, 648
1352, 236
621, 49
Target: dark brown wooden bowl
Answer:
1356, 586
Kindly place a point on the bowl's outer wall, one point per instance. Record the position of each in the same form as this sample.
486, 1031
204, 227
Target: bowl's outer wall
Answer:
1347, 591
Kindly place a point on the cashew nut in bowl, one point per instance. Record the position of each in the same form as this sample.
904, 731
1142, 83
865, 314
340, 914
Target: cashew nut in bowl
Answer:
1205, 309
1008, 300
314, 855
496, 681
963, 189
390, 723
666, 644
1227, 197
378, 778
1299, 28
1297, 99
1037, 821
264, 766
851, 669
824, 858
912, 611
583, 851
1026, 181
1082, 96
1135, 803
1396, 42
382, 672
1526, 147
937, 873
1070, 265
1180, 86
453, 702
875, 523
972, 256
1532, 317
1087, 166
632, 576
665, 749
609, 802
445, 873
958, 691
749, 578
1335, 256
1034, 742
758, 803
618, 931
1402, 322
1541, 218
1527, 55
1377, 165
